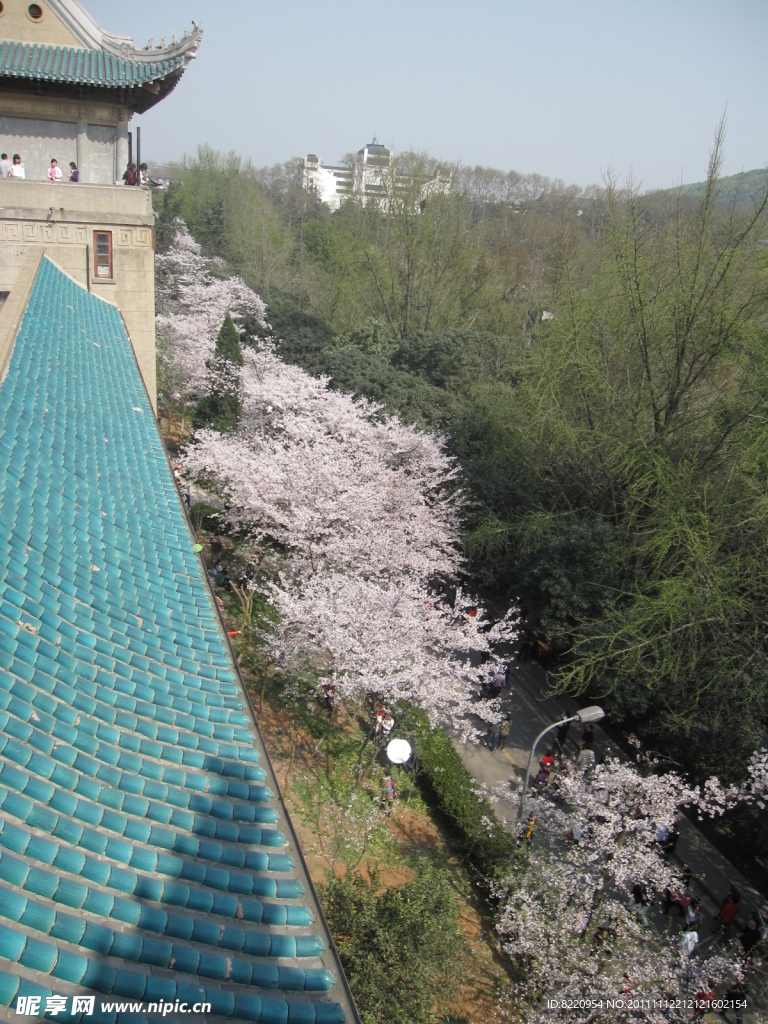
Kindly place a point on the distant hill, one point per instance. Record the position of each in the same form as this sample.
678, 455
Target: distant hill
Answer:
746, 186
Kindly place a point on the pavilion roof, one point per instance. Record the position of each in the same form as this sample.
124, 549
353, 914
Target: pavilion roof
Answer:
83, 67
94, 60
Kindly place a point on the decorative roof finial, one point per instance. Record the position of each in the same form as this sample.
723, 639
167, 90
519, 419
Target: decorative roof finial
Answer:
162, 43
150, 43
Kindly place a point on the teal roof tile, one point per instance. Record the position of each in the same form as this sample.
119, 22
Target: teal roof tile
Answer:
130, 782
81, 66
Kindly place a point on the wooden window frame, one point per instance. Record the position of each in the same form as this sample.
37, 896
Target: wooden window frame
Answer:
96, 265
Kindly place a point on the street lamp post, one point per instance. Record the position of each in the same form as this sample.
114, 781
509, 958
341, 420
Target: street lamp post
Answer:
591, 714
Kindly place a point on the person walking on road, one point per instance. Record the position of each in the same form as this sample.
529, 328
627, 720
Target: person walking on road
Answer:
729, 908
499, 682
750, 937
693, 915
586, 758
504, 732
495, 736
561, 736
639, 902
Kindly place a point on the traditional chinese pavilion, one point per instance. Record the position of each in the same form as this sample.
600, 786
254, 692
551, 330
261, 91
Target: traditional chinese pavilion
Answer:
68, 91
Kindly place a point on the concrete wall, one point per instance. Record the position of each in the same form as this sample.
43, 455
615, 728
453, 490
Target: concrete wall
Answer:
97, 155
15, 306
61, 219
36, 142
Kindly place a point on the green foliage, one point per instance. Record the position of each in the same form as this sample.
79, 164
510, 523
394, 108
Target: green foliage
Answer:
304, 338
744, 187
220, 409
397, 945
346, 820
228, 342
598, 363
168, 207
482, 841
636, 432
205, 517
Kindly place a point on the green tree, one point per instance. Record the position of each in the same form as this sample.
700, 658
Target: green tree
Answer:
228, 342
221, 407
396, 944
640, 496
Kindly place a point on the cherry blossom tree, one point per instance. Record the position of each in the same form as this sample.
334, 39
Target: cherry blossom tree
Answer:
363, 511
377, 505
568, 919
193, 297
753, 791
366, 515
390, 640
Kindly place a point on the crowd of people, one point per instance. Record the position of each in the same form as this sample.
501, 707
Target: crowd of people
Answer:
15, 168
134, 175
678, 902
10, 169
383, 720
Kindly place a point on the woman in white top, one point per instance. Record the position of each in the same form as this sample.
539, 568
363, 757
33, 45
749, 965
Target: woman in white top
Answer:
17, 168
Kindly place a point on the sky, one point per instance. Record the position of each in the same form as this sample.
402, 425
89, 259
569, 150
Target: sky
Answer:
562, 88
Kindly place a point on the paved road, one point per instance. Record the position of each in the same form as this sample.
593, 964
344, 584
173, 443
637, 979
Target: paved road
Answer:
531, 710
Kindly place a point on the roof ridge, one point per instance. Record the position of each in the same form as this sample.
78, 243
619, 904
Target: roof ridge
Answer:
82, 25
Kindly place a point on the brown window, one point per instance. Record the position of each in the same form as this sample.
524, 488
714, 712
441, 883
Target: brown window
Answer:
102, 254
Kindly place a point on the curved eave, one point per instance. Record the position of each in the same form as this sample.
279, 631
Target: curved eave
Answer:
144, 81
137, 100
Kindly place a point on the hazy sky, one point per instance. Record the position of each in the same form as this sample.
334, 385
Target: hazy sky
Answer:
567, 88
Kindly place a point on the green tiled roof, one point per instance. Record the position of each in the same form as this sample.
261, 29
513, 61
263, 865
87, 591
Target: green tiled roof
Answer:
82, 67
143, 849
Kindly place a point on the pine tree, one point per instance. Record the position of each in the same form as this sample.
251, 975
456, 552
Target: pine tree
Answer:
228, 342
221, 407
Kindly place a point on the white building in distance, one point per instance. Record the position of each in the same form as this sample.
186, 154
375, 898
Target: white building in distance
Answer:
364, 178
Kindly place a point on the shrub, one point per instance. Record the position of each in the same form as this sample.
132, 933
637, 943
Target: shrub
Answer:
398, 946
483, 843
